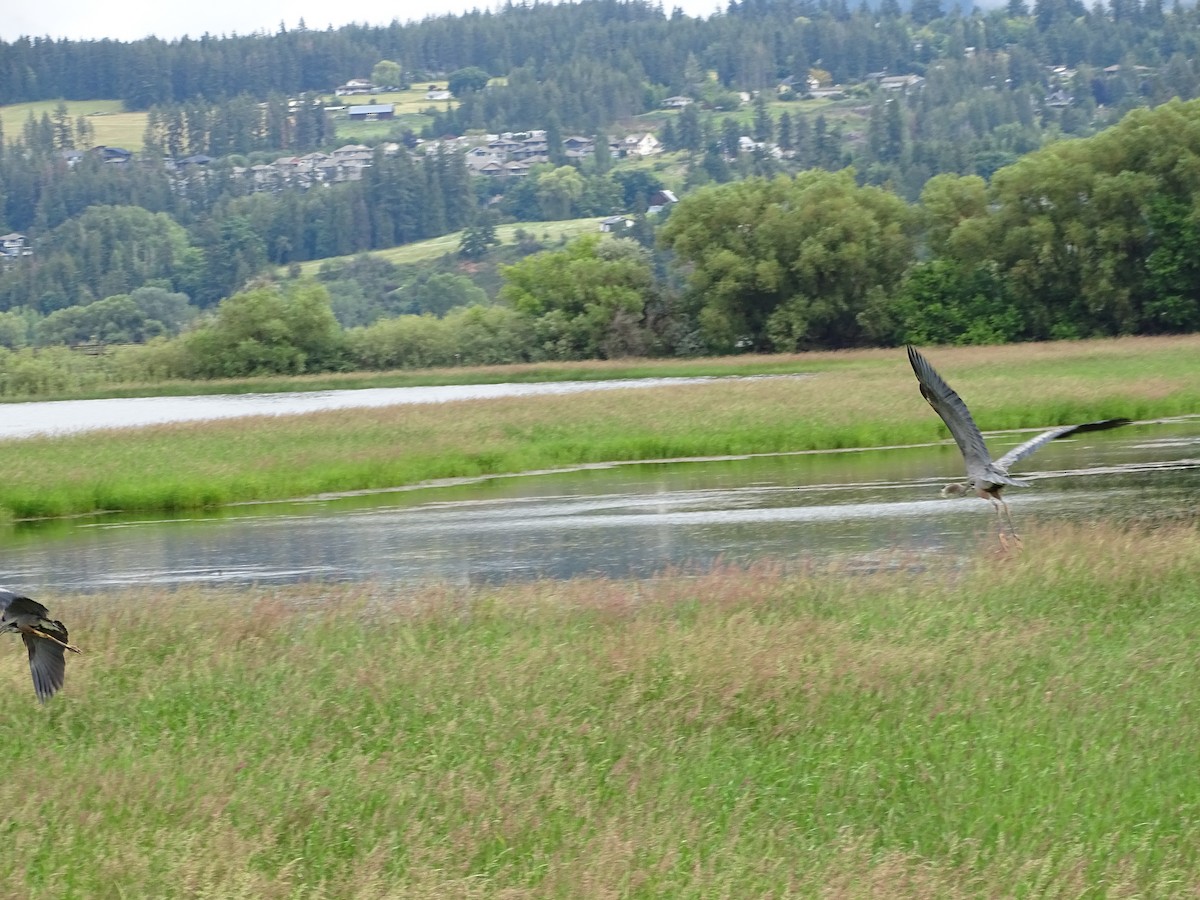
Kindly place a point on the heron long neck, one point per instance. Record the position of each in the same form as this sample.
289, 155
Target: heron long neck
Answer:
956, 490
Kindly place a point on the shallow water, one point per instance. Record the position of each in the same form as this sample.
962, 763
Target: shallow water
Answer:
866, 509
18, 420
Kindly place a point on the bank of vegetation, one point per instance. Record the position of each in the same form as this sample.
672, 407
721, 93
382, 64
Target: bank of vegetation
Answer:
835, 400
1023, 728
1084, 238
963, 189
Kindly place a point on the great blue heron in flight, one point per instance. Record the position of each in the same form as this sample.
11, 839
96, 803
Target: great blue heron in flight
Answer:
45, 639
985, 477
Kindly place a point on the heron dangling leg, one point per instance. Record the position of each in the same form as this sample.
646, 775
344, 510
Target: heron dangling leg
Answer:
999, 523
1001, 513
1003, 517
1011, 527
37, 632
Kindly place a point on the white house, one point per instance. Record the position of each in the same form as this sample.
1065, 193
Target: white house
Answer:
641, 145
615, 223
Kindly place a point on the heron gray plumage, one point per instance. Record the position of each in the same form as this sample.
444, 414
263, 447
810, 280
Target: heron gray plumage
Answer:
45, 639
985, 478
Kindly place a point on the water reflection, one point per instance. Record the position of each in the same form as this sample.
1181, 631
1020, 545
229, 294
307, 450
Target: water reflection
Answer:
623, 520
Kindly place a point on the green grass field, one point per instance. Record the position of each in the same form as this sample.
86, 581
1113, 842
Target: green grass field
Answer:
419, 251
410, 106
1011, 727
851, 399
406, 102
114, 127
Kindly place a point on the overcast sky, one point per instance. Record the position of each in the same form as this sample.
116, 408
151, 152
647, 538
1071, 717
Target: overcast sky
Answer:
84, 19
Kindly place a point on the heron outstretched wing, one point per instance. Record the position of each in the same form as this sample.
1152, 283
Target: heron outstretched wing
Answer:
1016, 454
45, 639
947, 404
47, 664
13, 605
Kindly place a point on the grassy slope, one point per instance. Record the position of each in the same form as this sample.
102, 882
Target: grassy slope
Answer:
1022, 727
114, 127
864, 398
117, 128
448, 243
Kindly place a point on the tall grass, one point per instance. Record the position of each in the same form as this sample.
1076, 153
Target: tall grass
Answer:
864, 399
1012, 727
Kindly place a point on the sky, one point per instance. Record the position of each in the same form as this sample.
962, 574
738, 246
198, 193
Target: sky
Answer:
91, 19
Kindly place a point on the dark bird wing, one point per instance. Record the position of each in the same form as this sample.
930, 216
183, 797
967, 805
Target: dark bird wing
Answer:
14, 605
46, 660
1018, 453
46, 663
954, 413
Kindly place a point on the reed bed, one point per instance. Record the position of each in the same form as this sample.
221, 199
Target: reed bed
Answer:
997, 726
841, 400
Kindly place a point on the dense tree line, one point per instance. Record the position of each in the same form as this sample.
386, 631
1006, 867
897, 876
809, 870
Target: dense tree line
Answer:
1090, 237
599, 58
1083, 238
944, 213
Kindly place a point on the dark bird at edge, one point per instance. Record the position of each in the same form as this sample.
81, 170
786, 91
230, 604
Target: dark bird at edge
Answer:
985, 477
45, 639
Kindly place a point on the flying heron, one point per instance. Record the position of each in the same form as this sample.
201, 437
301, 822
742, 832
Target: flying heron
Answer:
985, 477
45, 639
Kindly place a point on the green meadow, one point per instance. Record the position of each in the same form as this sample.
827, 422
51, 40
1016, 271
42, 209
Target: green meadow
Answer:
431, 248
851, 399
1018, 726
113, 126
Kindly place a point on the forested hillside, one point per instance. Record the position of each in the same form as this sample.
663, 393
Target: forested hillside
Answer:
964, 207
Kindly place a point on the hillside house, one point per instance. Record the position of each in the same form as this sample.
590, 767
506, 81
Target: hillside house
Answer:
615, 223
677, 102
900, 82
640, 145
14, 246
115, 155
491, 168
354, 86
353, 151
577, 144
660, 200
371, 112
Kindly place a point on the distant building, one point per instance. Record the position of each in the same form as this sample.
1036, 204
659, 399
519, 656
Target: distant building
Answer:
900, 82
660, 200
113, 154
354, 86
615, 223
371, 112
14, 246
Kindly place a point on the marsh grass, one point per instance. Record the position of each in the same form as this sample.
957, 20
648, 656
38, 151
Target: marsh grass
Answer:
1019, 726
860, 399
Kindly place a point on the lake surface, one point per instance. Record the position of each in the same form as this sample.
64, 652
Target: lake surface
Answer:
867, 509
